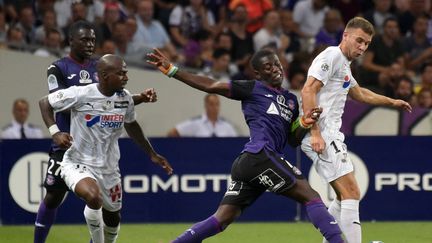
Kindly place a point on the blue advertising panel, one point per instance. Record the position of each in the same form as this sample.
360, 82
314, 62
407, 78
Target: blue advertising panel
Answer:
201, 172
394, 175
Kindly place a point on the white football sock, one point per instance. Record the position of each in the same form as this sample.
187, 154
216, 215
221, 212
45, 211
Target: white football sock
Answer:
94, 223
111, 233
350, 220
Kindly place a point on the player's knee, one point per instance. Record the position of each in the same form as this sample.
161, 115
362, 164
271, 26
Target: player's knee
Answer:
227, 215
53, 199
111, 219
351, 193
93, 199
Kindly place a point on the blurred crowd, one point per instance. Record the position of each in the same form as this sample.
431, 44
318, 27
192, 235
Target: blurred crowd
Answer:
218, 37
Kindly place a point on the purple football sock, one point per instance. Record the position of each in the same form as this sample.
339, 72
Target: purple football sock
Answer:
200, 231
323, 221
44, 219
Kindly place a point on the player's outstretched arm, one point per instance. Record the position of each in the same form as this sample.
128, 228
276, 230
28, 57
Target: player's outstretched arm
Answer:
302, 125
367, 96
135, 132
62, 139
157, 59
147, 96
308, 94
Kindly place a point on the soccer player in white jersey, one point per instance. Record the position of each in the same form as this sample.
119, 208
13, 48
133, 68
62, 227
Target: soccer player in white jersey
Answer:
90, 165
328, 83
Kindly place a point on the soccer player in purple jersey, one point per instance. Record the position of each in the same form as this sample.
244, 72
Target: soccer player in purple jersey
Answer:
78, 68
272, 115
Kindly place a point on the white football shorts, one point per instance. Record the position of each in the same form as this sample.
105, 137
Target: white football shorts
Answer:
333, 162
109, 184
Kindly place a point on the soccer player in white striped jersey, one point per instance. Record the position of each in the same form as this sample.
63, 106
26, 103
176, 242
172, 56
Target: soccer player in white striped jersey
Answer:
328, 83
90, 167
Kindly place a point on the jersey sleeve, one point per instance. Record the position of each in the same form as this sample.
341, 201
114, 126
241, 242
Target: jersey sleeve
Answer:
64, 99
130, 115
241, 89
55, 79
353, 82
321, 67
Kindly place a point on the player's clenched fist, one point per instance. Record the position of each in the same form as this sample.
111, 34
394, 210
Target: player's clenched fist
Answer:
63, 140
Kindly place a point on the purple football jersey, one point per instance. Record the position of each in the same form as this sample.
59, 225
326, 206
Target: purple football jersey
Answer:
269, 113
65, 73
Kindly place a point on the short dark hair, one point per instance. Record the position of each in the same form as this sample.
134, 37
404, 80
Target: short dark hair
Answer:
80, 24
220, 52
20, 100
361, 23
256, 58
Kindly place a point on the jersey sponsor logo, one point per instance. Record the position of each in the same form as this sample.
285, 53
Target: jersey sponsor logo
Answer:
272, 109
105, 121
85, 77
346, 82
71, 76
121, 104
285, 111
91, 120
52, 82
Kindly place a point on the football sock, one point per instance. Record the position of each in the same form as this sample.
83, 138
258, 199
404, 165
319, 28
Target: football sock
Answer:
335, 210
111, 233
44, 219
323, 221
200, 231
350, 220
94, 222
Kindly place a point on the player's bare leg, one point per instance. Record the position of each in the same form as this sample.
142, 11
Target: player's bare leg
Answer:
111, 225
303, 193
47, 213
215, 224
348, 192
89, 191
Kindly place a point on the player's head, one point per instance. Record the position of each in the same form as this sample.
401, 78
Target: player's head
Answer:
357, 37
212, 106
112, 72
267, 67
82, 40
20, 110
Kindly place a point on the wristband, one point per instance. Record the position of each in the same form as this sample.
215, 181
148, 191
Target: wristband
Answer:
172, 71
303, 123
53, 129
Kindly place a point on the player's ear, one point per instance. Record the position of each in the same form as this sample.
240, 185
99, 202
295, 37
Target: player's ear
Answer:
257, 75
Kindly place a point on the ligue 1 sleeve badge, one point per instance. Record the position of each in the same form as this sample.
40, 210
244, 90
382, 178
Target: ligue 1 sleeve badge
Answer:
325, 67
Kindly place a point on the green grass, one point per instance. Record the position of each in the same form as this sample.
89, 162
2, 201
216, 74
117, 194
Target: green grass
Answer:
388, 232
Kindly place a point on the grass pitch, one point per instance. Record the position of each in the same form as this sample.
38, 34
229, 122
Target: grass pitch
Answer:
388, 232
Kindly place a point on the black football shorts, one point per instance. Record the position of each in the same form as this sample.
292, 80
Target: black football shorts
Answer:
253, 174
53, 180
